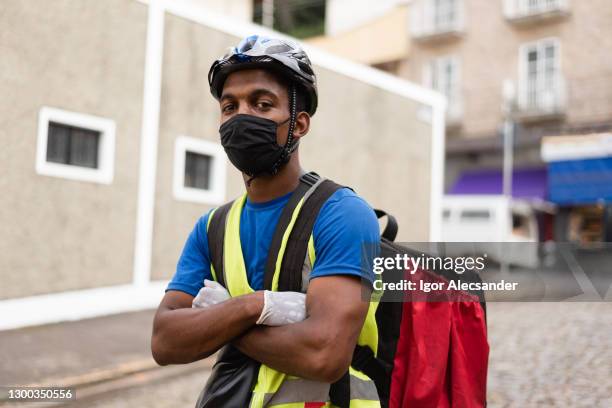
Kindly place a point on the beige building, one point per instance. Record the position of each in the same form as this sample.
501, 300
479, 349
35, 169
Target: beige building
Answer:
543, 65
552, 55
539, 67
377, 41
110, 149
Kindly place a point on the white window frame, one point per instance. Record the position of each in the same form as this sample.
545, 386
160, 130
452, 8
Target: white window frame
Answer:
435, 68
218, 174
437, 12
558, 90
103, 174
424, 16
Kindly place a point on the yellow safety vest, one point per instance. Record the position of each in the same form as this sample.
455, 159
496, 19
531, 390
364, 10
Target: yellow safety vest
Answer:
273, 388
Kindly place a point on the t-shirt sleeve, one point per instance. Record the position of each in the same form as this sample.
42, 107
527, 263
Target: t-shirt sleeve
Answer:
346, 237
193, 265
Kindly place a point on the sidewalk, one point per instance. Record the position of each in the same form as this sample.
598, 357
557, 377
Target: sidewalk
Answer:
81, 353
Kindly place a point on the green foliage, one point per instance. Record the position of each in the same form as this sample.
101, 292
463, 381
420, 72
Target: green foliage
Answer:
298, 18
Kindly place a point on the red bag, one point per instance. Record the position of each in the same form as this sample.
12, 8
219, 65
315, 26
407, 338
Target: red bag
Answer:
442, 354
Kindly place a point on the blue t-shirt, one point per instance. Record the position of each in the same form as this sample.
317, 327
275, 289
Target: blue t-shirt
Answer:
346, 237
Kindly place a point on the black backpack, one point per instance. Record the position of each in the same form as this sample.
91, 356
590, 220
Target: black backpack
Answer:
390, 310
388, 315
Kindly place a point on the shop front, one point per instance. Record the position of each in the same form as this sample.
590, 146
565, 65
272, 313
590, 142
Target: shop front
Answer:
580, 184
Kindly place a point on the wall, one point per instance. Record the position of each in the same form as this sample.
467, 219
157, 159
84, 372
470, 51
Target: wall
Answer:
59, 234
374, 142
241, 10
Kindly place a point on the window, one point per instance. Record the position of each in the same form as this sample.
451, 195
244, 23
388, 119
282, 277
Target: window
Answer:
445, 14
442, 74
433, 18
298, 18
199, 171
72, 145
540, 82
475, 215
75, 146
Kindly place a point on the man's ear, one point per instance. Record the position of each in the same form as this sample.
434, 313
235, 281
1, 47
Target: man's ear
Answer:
302, 125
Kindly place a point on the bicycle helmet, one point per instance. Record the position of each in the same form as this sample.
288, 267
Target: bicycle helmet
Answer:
284, 57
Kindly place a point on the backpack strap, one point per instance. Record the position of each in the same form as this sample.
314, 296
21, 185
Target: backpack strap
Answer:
308, 182
377, 369
390, 231
216, 237
297, 246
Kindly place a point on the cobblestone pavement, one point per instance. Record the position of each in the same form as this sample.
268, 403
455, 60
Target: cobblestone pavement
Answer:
550, 355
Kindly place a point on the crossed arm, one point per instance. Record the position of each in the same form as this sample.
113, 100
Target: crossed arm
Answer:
318, 348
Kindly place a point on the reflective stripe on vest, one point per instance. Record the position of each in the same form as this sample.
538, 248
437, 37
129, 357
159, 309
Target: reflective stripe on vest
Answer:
297, 390
273, 388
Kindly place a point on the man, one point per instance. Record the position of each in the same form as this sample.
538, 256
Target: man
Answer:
267, 94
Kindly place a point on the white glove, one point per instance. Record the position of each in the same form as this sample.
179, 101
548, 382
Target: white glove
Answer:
211, 294
282, 308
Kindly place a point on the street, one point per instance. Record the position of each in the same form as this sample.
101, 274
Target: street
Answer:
177, 392
542, 355
550, 355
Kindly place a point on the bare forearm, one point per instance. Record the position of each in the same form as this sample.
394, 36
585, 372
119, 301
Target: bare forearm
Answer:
320, 347
300, 349
190, 334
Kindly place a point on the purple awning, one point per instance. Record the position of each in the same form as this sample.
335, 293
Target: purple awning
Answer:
530, 183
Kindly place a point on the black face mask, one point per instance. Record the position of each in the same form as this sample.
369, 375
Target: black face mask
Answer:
250, 144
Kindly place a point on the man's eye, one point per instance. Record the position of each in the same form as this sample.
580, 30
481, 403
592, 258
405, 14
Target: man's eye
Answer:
264, 105
227, 108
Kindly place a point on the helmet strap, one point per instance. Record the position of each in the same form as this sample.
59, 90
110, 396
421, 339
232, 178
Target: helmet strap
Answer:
291, 143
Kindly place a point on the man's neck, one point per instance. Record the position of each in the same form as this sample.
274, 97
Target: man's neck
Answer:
266, 188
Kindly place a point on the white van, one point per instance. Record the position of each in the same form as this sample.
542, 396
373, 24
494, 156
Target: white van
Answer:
489, 219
